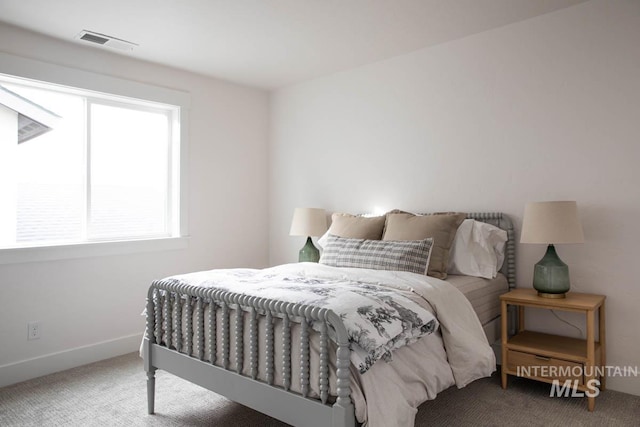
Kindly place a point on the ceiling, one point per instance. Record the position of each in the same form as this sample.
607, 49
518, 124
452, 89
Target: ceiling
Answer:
271, 43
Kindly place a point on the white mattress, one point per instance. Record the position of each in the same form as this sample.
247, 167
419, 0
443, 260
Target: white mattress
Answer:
482, 293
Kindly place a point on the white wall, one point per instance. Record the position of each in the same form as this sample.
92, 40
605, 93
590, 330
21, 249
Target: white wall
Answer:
83, 302
544, 109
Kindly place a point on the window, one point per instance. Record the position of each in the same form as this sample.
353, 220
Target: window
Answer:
78, 166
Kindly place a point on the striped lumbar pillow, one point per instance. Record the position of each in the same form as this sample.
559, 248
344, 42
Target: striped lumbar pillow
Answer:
395, 255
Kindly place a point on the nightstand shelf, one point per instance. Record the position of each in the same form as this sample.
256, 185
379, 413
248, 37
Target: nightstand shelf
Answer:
552, 358
572, 349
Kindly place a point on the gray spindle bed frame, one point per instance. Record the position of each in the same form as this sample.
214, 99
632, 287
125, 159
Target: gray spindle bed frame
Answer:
277, 401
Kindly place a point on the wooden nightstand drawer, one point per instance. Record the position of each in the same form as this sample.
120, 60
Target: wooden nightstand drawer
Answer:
535, 366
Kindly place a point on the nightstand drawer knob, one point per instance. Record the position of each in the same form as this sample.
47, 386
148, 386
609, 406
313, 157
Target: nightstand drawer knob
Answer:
543, 358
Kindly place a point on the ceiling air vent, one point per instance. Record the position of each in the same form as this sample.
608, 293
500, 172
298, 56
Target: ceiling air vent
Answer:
105, 40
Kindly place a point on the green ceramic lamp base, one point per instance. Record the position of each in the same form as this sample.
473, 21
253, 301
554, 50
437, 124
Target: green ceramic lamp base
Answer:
551, 275
309, 253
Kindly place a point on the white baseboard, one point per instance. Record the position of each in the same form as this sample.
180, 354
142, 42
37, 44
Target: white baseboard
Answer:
55, 362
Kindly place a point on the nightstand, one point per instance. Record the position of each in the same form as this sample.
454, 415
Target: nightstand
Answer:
552, 358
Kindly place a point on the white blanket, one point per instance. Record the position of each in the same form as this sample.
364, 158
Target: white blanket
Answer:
378, 319
468, 351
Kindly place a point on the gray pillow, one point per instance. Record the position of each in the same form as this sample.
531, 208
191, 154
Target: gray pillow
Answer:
410, 255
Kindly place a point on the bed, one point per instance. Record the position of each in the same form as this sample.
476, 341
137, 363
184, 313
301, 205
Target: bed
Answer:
298, 362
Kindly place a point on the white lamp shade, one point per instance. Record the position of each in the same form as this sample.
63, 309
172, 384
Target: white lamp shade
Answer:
308, 222
551, 223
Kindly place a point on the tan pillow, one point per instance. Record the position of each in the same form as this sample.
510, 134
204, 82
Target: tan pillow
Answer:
357, 227
441, 227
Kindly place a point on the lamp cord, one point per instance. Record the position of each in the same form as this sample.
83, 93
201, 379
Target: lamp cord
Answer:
568, 323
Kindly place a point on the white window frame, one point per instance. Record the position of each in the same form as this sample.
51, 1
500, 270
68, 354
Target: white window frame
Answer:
23, 68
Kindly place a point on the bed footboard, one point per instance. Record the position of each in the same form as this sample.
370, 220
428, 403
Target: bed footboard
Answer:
256, 390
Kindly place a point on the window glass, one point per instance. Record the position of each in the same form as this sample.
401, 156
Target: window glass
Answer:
128, 172
78, 167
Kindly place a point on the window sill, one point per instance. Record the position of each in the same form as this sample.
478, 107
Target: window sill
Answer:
92, 249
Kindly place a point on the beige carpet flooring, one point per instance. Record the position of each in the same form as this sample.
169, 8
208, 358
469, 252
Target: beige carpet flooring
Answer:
113, 393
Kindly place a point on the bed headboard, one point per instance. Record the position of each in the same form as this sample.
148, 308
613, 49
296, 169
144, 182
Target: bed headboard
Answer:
504, 222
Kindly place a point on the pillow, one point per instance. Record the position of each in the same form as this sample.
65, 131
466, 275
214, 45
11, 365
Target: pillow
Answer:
412, 256
355, 227
477, 250
441, 227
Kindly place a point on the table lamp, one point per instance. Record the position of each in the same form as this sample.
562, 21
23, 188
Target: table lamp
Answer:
551, 223
310, 222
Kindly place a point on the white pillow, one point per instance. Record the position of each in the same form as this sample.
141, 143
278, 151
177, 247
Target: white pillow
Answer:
322, 241
477, 250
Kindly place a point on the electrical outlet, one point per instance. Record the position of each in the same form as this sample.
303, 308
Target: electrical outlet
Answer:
33, 330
